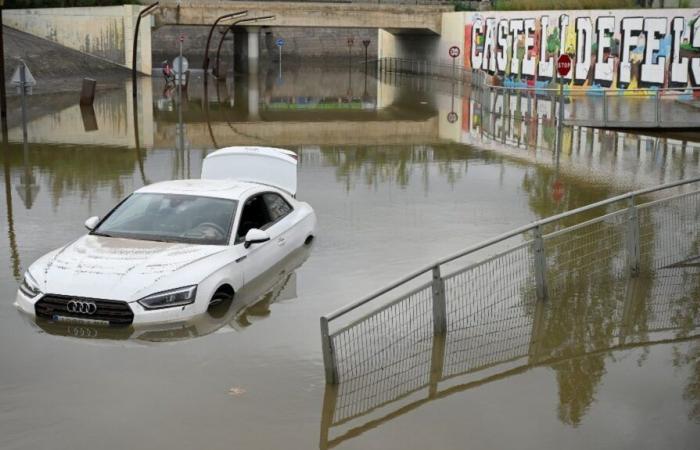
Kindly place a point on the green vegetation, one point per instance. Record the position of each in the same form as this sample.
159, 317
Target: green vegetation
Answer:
21, 4
461, 5
524, 5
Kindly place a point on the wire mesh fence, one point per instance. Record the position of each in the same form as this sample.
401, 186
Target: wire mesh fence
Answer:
567, 284
487, 305
402, 331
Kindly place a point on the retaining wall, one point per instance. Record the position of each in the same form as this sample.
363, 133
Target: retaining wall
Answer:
103, 32
625, 49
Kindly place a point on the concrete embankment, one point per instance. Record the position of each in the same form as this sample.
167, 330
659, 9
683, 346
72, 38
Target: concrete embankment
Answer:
55, 67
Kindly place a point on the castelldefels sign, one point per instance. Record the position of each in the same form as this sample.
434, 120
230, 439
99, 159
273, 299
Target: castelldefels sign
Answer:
624, 49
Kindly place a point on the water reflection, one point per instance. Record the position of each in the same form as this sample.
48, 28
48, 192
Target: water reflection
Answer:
253, 300
382, 154
574, 334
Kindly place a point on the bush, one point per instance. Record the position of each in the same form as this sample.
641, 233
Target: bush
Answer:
524, 5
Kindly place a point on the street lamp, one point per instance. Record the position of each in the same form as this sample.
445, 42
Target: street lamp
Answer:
143, 12
215, 71
205, 66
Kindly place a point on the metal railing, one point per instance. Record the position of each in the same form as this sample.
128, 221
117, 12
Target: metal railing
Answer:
616, 315
546, 253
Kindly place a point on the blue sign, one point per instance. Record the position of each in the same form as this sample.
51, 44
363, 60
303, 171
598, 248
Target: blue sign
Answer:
280, 42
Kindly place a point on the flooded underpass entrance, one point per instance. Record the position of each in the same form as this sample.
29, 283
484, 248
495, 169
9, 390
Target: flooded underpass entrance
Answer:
397, 182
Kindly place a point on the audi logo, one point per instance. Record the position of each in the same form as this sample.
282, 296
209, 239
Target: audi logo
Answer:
82, 307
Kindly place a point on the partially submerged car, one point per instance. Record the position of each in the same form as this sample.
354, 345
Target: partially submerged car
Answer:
171, 250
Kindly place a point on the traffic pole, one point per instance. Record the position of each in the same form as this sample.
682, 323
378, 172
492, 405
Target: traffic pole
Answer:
3, 94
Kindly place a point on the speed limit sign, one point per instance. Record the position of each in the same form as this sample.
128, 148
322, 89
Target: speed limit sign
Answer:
454, 51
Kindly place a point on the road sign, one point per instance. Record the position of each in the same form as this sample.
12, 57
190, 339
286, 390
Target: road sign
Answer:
176, 64
452, 117
29, 80
563, 65
279, 42
454, 51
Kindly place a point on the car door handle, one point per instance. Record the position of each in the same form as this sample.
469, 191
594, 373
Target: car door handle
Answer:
281, 241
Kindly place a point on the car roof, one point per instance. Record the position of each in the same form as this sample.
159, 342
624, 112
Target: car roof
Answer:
229, 189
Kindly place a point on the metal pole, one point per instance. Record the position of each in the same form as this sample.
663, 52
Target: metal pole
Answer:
180, 75
561, 104
205, 65
215, 70
540, 265
3, 94
328, 354
23, 87
439, 306
605, 106
658, 98
633, 249
135, 44
279, 65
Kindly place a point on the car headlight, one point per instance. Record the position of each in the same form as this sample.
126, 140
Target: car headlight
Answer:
29, 286
176, 297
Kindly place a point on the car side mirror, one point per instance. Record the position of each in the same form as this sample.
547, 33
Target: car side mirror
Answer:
255, 236
92, 222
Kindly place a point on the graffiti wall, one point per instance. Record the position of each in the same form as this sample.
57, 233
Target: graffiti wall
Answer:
625, 49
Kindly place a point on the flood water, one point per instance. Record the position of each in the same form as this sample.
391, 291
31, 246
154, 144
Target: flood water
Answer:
396, 182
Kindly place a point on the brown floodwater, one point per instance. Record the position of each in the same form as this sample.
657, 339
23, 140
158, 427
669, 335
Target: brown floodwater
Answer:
396, 182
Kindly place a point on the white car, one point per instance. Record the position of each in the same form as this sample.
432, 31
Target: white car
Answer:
171, 249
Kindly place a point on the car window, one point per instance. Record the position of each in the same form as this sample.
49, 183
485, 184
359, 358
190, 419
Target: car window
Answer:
277, 206
255, 215
171, 218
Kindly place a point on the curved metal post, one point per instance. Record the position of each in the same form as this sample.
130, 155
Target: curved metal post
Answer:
215, 70
205, 65
143, 12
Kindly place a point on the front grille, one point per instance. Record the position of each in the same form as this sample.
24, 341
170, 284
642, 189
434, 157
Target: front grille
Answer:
114, 311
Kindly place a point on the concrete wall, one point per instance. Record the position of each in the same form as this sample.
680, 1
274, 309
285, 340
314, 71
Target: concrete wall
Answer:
103, 32
308, 14
627, 49
306, 43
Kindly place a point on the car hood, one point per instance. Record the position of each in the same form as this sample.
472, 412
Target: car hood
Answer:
116, 268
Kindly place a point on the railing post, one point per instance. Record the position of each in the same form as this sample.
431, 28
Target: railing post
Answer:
658, 98
633, 251
439, 306
540, 265
329, 363
605, 106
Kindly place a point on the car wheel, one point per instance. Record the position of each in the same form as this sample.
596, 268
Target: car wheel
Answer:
309, 239
220, 302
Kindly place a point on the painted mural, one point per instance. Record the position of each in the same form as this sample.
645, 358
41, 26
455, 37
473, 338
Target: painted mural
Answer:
621, 49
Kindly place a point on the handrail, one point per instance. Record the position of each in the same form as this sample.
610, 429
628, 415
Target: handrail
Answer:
630, 195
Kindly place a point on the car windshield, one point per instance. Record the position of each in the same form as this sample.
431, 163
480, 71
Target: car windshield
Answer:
171, 218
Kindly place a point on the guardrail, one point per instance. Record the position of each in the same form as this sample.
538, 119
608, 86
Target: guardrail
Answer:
529, 267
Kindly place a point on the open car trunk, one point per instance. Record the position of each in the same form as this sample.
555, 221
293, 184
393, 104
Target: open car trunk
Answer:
265, 165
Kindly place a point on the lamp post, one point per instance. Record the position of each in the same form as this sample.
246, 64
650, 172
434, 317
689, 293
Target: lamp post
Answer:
215, 70
143, 12
205, 65
366, 43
